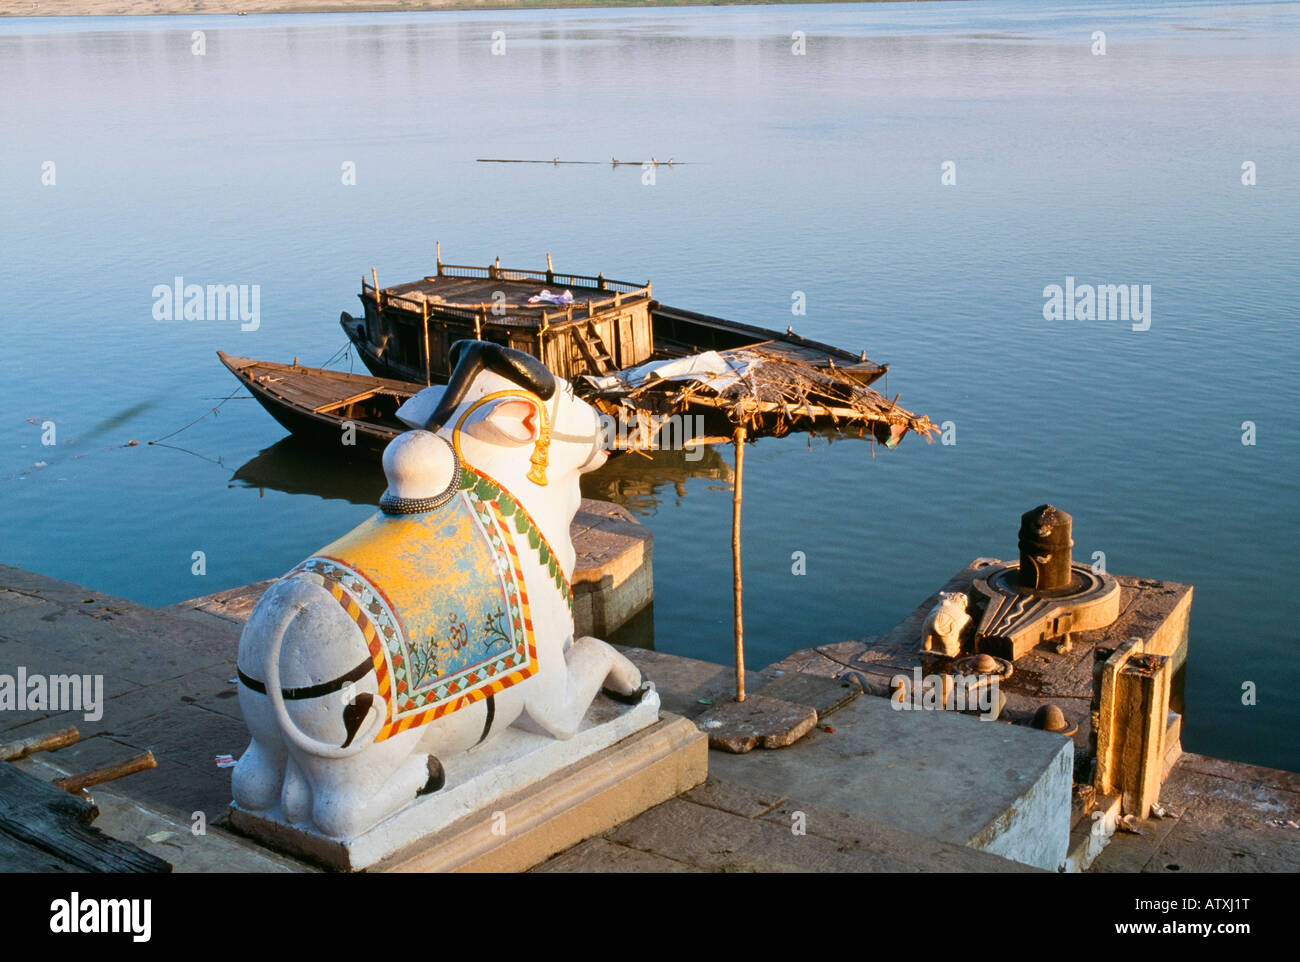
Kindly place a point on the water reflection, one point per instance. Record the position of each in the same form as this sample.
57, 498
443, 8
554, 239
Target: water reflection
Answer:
294, 466
635, 481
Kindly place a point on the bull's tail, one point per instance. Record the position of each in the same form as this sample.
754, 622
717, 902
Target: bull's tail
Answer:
360, 729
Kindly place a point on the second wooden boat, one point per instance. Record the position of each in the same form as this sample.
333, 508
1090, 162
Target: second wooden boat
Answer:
353, 414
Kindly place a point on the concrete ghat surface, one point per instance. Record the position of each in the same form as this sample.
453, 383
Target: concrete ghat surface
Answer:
995, 787
724, 826
168, 689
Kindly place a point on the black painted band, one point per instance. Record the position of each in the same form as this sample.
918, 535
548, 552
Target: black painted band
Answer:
312, 691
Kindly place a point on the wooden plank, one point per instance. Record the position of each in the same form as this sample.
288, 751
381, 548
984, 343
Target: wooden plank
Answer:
39, 743
17, 857
109, 773
350, 399
35, 814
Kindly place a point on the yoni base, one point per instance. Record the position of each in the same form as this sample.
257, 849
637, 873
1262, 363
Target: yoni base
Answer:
518, 799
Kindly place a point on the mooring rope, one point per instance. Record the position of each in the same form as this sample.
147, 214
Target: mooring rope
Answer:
346, 349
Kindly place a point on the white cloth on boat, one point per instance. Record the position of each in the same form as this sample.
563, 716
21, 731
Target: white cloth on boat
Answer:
711, 369
546, 297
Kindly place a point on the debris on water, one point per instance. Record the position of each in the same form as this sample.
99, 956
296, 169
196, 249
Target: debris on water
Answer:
828, 729
1284, 823
132, 443
706, 701
225, 761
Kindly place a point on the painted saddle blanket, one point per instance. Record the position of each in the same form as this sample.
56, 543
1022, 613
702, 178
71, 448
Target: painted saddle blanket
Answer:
441, 601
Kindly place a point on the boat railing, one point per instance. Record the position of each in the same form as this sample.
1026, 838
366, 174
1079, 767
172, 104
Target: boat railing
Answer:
504, 315
497, 272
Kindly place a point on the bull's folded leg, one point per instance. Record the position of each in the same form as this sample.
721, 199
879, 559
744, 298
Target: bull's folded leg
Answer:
296, 796
352, 797
259, 776
560, 704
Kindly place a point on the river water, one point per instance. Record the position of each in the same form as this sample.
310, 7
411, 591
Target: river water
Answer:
819, 173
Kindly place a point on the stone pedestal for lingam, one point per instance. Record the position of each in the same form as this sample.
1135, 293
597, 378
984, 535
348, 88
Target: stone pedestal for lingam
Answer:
1045, 596
1119, 695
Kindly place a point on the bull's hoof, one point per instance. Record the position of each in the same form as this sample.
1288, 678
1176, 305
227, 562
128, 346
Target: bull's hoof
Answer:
634, 698
437, 778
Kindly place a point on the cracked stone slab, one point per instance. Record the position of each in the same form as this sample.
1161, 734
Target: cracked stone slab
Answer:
823, 694
758, 721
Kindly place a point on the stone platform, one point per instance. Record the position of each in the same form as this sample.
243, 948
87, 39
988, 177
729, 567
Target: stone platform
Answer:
989, 786
1157, 611
493, 809
168, 689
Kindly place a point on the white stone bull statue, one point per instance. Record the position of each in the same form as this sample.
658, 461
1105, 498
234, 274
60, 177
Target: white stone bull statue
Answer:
441, 620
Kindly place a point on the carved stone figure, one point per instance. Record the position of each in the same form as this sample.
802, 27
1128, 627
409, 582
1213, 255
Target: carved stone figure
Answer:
442, 619
947, 620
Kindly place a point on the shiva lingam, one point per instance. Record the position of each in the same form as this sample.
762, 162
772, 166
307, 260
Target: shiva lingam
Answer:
1045, 597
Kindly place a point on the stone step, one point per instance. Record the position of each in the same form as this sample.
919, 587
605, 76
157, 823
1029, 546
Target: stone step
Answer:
995, 787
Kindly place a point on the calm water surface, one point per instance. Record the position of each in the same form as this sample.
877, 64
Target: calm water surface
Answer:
817, 173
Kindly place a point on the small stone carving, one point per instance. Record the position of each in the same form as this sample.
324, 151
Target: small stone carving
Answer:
943, 628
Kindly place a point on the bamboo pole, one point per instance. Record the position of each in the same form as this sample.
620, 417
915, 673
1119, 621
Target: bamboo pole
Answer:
12, 751
424, 336
736, 583
75, 783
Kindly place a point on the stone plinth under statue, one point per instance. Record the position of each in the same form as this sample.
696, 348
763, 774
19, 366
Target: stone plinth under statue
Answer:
517, 799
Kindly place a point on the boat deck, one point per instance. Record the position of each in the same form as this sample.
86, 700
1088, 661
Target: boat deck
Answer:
481, 295
313, 389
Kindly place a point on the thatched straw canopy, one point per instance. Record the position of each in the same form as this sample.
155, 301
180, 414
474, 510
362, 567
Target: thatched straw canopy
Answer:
767, 393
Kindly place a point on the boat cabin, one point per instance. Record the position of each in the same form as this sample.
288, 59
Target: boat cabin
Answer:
586, 325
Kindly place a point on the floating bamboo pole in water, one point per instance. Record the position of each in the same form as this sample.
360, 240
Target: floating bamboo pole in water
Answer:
556, 162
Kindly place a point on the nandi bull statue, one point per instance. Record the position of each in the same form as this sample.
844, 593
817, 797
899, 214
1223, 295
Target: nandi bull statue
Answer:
439, 622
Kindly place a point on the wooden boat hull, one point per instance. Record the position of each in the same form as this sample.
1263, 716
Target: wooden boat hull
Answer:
326, 408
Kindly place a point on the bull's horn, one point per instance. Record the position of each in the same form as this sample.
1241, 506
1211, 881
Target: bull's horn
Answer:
468, 358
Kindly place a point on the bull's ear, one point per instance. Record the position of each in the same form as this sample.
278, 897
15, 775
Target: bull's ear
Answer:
517, 419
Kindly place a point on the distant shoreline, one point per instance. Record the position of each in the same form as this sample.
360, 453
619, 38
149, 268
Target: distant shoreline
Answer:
153, 8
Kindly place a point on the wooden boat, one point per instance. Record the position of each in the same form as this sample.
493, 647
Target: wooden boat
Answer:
406, 330
318, 404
